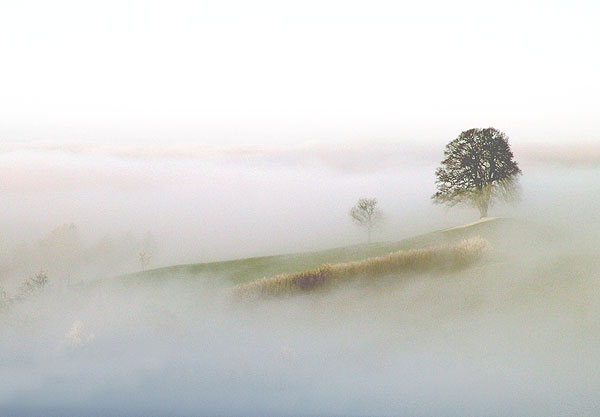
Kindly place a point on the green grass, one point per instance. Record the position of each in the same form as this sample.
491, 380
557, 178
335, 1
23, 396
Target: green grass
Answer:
246, 270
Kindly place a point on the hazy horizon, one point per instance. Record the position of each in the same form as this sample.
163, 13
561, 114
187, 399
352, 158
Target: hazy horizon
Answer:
205, 203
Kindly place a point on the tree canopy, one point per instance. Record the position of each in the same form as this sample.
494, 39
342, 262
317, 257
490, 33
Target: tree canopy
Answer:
478, 167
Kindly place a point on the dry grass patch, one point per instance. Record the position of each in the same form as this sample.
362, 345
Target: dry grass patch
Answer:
446, 257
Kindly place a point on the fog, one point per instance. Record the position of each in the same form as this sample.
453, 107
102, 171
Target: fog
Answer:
514, 334
206, 204
195, 203
141, 135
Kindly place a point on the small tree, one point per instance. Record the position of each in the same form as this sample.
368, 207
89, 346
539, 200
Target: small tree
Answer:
366, 214
478, 167
144, 258
148, 250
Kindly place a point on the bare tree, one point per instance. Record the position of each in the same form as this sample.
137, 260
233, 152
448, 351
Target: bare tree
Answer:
478, 167
366, 214
148, 250
144, 258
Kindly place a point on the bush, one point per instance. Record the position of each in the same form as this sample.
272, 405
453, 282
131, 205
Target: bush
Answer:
33, 284
449, 257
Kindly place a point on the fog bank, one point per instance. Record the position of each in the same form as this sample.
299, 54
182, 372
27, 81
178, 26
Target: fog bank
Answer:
207, 203
512, 335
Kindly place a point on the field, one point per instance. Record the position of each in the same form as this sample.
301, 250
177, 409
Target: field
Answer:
247, 270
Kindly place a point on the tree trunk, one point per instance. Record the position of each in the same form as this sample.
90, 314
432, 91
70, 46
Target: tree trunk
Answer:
483, 200
483, 209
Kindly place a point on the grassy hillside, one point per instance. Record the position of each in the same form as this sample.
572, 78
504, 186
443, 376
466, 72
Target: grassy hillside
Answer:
249, 269
436, 258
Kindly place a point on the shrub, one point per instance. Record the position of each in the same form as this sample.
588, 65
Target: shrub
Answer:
33, 284
448, 257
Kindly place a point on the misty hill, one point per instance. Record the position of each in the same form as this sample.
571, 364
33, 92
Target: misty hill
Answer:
249, 269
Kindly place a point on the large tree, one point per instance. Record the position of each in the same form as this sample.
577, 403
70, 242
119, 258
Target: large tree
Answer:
478, 167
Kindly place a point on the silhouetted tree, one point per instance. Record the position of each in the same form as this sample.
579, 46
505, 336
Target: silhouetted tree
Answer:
478, 167
366, 214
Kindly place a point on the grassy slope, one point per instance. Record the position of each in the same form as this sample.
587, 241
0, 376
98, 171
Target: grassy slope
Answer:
249, 269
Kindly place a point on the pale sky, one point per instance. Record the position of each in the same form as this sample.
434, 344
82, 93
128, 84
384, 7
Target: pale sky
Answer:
280, 72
